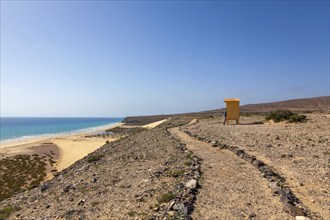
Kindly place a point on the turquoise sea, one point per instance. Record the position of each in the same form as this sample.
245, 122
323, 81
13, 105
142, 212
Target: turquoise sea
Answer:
17, 128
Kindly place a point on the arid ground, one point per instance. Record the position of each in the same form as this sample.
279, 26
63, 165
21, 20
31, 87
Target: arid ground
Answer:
192, 167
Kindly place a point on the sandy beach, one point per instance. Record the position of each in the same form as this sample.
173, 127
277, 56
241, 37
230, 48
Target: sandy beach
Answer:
75, 147
67, 148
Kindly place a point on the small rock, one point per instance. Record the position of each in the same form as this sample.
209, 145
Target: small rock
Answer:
81, 202
187, 209
276, 190
171, 213
272, 184
289, 194
293, 210
286, 155
274, 187
252, 215
284, 199
214, 143
246, 157
45, 186
171, 205
258, 163
269, 145
191, 184
252, 158
47, 206
282, 192
177, 207
67, 188
190, 197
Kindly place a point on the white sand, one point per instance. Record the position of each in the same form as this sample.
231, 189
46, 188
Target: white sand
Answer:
72, 147
154, 124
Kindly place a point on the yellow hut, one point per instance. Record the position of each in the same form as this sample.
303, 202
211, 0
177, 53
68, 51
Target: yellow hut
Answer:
232, 105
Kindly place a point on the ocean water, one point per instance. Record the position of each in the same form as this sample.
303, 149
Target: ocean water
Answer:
17, 128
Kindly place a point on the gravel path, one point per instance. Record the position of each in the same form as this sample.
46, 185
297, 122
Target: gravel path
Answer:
299, 152
230, 187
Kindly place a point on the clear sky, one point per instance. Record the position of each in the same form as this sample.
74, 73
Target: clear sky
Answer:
114, 58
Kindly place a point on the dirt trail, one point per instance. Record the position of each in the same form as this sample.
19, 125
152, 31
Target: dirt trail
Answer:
231, 187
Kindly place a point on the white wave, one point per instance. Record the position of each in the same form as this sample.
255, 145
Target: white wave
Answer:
54, 135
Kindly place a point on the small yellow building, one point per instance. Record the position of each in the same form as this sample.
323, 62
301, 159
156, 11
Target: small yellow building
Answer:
232, 105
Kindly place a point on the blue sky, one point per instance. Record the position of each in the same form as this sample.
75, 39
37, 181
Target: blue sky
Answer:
112, 58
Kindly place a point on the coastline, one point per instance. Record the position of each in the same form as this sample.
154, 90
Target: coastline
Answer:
36, 138
27, 164
70, 146
74, 147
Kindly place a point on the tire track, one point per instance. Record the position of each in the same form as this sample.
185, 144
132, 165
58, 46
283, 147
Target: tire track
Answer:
230, 187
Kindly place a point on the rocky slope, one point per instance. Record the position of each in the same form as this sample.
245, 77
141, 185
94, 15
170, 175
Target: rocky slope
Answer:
142, 176
317, 104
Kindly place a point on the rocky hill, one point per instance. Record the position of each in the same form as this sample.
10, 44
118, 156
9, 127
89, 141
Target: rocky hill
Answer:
318, 104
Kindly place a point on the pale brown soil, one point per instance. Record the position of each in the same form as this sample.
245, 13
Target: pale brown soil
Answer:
230, 187
299, 152
125, 179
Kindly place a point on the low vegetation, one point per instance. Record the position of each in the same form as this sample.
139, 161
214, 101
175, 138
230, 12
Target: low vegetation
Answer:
6, 211
165, 198
94, 157
132, 213
175, 173
21, 172
285, 115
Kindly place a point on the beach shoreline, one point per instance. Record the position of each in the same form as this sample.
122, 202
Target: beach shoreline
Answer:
71, 146
36, 138
38, 160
